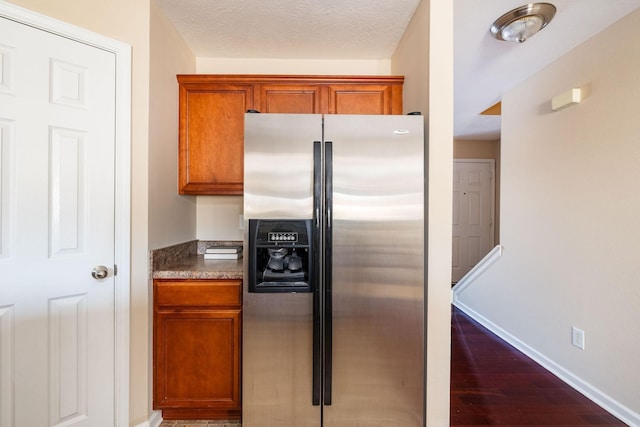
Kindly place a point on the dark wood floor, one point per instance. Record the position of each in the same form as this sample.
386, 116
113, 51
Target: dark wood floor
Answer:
493, 384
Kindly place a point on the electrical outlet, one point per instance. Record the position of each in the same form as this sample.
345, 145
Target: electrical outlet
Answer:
241, 222
577, 337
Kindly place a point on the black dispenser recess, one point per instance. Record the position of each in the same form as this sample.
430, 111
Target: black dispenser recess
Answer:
280, 256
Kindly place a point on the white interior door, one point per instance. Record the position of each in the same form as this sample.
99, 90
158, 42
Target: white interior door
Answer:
473, 214
57, 160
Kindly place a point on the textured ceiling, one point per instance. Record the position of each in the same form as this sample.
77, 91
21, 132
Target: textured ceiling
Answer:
484, 68
291, 29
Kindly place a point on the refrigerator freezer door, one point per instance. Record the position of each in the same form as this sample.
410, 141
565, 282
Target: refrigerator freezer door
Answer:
277, 328
377, 271
278, 165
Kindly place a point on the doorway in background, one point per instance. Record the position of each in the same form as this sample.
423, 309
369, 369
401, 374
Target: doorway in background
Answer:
473, 213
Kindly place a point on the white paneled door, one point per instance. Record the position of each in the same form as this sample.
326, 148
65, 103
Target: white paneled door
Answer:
57, 160
473, 214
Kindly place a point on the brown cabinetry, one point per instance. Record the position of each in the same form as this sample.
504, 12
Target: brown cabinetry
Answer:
364, 99
211, 136
290, 98
212, 107
197, 350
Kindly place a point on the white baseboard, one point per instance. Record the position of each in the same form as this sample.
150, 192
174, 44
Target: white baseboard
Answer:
487, 261
154, 420
603, 400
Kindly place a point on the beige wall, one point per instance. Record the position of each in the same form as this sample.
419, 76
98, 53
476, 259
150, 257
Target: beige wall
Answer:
411, 60
440, 182
292, 66
170, 55
427, 64
570, 229
476, 149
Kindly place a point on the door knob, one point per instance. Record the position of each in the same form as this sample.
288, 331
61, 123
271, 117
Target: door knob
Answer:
99, 272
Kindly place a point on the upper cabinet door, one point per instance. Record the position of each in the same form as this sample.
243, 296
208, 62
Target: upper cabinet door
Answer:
365, 99
291, 98
211, 137
212, 108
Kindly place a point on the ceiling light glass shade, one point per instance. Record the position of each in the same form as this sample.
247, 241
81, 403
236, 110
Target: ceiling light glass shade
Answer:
523, 22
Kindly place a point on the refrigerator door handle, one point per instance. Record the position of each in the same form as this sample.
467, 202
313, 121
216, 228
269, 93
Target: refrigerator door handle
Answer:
317, 289
328, 248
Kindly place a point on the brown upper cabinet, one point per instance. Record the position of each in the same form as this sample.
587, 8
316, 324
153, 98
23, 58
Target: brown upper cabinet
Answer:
291, 98
212, 107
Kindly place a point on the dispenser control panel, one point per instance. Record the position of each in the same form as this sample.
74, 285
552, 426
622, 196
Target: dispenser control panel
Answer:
283, 236
280, 256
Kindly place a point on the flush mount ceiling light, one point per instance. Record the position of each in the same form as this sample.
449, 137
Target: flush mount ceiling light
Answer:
523, 22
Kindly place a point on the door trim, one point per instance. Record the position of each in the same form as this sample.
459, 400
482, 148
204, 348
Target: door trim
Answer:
122, 236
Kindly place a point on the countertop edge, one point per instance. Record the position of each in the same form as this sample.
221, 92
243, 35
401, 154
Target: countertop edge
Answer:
185, 261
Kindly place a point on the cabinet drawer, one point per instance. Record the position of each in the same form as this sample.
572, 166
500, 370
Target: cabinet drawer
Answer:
199, 293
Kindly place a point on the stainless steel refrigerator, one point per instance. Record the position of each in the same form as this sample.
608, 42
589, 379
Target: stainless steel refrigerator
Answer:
333, 309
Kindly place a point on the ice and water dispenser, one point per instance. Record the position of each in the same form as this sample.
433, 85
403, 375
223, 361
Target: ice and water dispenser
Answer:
280, 256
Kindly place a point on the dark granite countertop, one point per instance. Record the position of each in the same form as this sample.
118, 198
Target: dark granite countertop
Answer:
186, 261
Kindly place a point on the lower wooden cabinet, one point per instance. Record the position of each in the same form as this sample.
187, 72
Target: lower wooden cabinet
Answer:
197, 348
